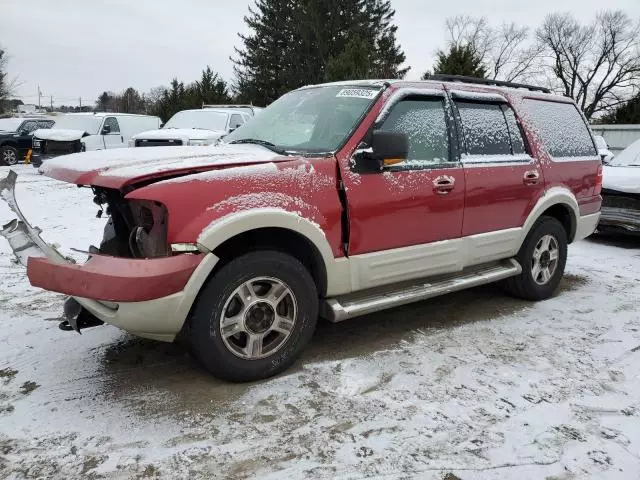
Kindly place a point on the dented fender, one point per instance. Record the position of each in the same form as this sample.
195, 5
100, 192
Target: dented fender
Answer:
209, 208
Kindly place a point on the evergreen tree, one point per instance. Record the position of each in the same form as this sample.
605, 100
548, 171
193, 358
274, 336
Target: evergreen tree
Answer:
629, 112
130, 101
105, 102
298, 42
459, 60
210, 89
264, 66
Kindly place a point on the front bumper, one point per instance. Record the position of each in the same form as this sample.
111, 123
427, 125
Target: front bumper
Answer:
621, 219
147, 297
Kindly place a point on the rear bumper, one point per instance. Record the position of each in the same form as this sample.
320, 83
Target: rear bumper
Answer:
149, 297
586, 226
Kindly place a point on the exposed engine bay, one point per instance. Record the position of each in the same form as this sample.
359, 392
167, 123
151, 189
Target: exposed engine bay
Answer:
135, 229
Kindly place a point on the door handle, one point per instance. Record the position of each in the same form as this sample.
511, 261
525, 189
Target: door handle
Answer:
444, 184
531, 177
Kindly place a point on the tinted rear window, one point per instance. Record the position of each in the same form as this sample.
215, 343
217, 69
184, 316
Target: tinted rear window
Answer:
560, 127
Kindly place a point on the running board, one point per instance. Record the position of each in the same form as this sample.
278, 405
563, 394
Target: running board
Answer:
372, 300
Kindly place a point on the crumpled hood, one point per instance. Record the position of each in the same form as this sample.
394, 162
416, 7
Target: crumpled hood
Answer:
621, 179
184, 134
61, 135
120, 167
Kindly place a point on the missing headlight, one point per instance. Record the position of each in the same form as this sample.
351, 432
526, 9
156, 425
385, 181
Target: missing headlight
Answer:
148, 235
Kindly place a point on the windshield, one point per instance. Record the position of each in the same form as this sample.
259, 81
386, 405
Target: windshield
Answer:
86, 123
10, 124
310, 120
630, 156
200, 119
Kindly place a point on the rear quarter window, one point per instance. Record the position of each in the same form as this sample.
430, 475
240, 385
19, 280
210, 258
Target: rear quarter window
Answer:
560, 127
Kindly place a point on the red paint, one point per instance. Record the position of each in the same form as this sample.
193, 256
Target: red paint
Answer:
398, 209
499, 198
115, 279
387, 210
307, 187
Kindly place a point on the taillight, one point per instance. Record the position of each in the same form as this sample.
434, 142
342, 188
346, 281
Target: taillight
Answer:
598, 181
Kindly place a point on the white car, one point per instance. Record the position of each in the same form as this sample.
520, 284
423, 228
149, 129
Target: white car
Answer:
80, 132
603, 149
621, 192
193, 127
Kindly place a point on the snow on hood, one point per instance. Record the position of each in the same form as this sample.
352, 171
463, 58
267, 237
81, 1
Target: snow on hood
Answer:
183, 134
622, 179
123, 166
59, 134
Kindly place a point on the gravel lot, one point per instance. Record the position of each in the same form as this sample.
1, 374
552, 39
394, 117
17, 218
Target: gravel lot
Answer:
475, 385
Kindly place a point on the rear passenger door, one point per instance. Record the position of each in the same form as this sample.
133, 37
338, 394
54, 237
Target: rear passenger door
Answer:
503, 181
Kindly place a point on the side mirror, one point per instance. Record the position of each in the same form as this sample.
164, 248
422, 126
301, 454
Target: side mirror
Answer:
387, 148
106, 130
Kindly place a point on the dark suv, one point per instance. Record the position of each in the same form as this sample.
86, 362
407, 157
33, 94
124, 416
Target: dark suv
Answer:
15, 137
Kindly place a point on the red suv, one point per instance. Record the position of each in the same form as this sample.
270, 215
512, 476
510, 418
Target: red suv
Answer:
338, 200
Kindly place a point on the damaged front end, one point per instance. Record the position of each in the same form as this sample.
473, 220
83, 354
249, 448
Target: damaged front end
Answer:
25, 241
620, 212
135, 280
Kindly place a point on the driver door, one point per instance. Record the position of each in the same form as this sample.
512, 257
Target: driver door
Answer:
112, 139
406, 221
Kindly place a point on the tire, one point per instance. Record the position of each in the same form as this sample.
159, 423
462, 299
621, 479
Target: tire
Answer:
540, 275
239, 356
8, 155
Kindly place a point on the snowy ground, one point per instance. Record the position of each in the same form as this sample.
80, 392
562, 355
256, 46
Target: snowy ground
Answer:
474, 385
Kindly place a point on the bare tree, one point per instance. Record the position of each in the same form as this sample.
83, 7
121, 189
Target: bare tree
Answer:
512, 57
505, 51
598, 65
4, 87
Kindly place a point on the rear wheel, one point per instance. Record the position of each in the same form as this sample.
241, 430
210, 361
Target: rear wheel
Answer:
8, 155
254, 316
542, 256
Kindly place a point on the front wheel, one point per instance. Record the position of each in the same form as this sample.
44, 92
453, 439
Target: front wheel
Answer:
543, 256
254, 316
8, 155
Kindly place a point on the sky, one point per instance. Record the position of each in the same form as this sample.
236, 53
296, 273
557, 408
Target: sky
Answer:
78, 48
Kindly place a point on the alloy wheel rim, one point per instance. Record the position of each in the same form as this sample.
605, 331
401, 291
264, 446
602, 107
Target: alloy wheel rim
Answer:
9, 156
258, 318
544, 262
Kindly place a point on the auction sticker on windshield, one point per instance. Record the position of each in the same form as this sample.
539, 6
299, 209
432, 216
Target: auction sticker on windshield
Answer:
357, 93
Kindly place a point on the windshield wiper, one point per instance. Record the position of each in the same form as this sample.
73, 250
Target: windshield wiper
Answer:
271, 146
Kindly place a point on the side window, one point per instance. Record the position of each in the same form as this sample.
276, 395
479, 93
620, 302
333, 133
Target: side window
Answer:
425, 124
560, 127
29, 126
236, 121
517, 141
113, 123
484, 129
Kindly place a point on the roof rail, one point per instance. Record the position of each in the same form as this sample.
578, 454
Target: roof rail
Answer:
485, 81
227, 106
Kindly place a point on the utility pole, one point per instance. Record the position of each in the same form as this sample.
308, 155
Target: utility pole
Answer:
51, 102
80, 101
39, 98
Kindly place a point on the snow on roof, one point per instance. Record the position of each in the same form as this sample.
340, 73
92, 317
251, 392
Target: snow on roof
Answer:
451, 85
